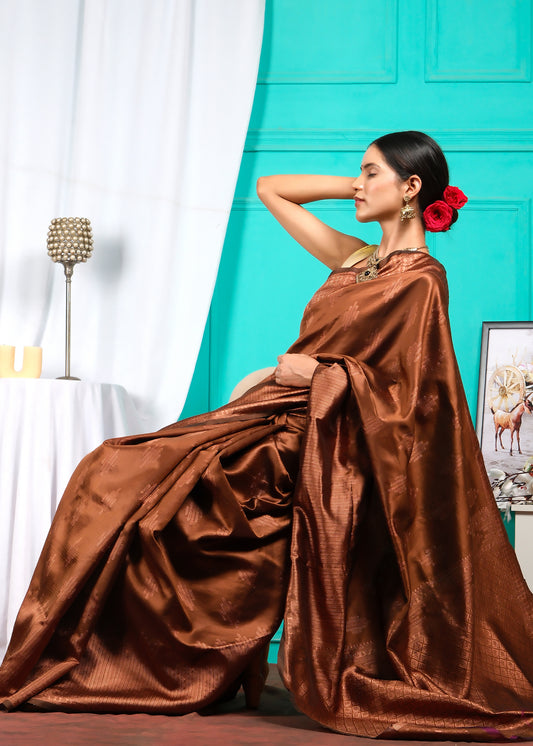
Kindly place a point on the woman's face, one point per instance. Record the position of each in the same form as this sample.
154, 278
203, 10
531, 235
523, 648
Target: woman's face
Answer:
378, 190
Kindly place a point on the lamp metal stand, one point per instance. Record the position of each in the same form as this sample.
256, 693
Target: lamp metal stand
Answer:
69, 271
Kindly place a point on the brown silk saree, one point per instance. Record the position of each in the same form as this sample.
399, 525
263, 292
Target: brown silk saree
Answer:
358, 509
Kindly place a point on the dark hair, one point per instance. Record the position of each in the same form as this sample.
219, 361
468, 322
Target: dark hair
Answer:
410, 153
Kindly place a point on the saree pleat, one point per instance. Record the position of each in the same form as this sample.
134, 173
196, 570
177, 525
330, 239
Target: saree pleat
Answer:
358, 509
156, 594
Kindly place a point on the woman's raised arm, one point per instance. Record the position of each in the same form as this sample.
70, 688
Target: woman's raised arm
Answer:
284, 195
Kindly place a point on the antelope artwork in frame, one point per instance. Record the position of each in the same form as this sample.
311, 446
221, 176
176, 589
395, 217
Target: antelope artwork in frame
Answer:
504, 423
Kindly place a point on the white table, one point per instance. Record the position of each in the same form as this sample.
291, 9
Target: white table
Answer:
46, 427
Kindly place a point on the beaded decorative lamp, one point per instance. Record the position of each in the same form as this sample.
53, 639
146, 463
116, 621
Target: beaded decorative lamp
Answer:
70, 241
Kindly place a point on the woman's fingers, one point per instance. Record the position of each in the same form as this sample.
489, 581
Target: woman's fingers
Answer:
295, 369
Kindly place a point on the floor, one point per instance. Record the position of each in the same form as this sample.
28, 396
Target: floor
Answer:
276, 723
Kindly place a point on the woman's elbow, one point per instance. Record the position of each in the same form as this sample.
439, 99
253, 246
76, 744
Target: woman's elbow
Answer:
262, 186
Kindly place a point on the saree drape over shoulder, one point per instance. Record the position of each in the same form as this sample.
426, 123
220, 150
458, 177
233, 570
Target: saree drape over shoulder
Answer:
357, 509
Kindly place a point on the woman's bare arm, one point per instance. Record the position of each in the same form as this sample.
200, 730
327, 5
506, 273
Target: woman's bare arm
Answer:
284, 194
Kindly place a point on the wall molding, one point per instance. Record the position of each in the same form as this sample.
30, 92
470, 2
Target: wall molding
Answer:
387, 73
254, 203
437, 72
358, 140
522, 208
339, 77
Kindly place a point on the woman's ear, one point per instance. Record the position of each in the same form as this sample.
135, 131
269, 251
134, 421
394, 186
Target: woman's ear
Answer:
414, 185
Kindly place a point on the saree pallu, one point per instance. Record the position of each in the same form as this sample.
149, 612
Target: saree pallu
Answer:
358, 509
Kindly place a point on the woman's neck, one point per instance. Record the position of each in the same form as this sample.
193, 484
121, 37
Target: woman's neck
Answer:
401, 236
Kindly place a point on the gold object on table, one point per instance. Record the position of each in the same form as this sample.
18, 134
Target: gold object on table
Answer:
32, 364
70, 241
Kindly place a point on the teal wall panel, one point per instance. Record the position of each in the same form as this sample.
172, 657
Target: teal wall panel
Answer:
253, 319
333, 46
473, 41
487, 277
199, 394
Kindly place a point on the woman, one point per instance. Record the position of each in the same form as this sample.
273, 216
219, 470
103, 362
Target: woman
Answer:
166, 570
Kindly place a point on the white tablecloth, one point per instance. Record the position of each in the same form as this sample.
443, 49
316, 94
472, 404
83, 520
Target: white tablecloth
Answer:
46, 427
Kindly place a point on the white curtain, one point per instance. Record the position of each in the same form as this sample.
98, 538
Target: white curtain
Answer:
132, 113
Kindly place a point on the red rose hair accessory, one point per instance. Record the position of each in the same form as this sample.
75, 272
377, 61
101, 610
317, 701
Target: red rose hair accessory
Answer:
454, 197
438, 215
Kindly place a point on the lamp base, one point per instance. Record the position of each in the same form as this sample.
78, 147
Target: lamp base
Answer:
67, 378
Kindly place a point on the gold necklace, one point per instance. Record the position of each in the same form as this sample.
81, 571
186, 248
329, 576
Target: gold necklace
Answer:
372, 265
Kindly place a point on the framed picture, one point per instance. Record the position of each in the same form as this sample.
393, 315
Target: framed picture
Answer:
505, 408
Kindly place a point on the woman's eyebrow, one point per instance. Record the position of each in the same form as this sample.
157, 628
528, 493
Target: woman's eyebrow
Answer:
369, 165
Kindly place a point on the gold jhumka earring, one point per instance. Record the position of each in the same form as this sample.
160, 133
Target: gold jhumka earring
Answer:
407, 212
